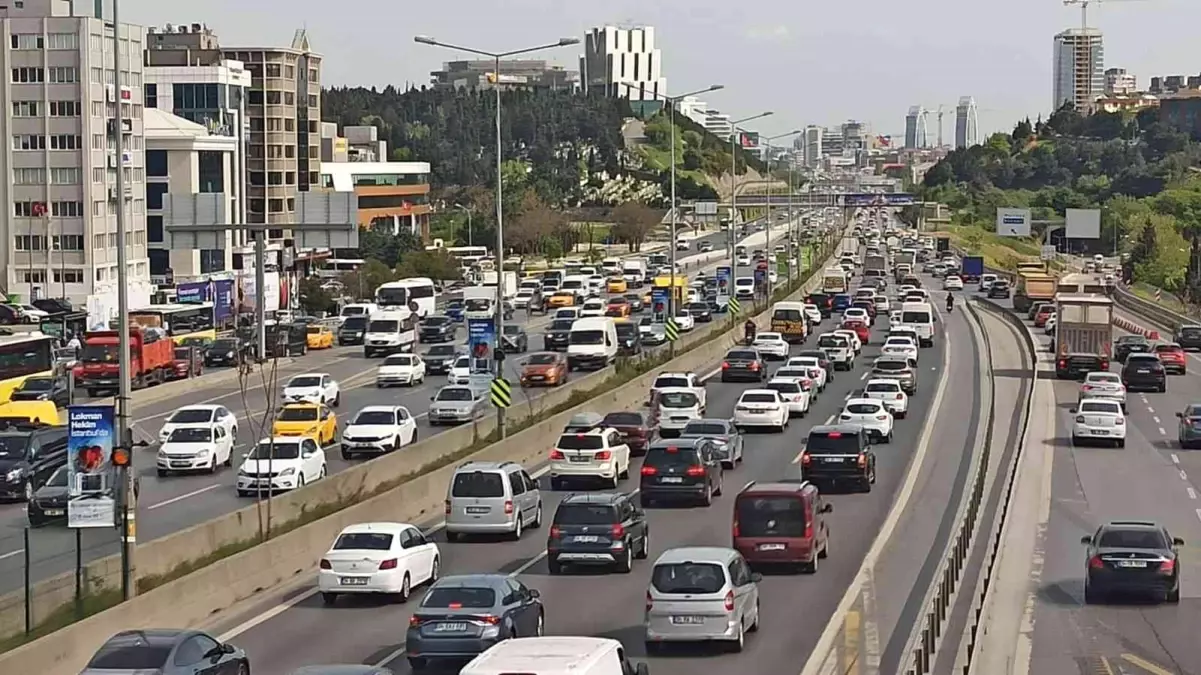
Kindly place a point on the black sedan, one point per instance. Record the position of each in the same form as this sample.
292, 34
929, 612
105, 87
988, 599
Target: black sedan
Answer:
1126, 345
557, 334
1188, 336
438, 329
700, 311
49, 503
745, 365
439, 357
226, 351
1131, 556
166, 652
44, 388
462, 616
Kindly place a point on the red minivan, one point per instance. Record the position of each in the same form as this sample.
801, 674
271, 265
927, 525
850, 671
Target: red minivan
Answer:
782, 523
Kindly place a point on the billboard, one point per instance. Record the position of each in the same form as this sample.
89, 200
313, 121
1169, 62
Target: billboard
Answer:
481, 340
749, 140
705, 208
1013, 222
725, 277
91, 477
869, 199
1083, 224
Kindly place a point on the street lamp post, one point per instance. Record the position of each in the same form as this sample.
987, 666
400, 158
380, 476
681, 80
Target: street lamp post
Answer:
770, 255
734, 175
466, 210
499, 354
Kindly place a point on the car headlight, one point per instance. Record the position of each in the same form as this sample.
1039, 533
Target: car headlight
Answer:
14, 474
312, 430
287, 472
163, 434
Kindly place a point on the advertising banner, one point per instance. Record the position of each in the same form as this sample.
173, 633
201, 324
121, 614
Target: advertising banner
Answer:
725, 277
481, 341
193, 292
223, 300
1013, 222
890, 199
806, 258
91, 477
659, 305
782, 264
1083, 224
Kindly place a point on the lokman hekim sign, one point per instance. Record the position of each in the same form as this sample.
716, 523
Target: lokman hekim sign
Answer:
1013, 222
90, 439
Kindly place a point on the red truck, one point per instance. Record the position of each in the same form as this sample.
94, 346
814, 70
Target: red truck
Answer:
151, 356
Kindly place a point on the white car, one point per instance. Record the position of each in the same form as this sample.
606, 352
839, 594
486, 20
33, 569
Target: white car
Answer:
952, 283
685, 321
809, 364
904, 289
1049, 326
320, 388
839, 350
853, 338
522, 299
761, 408
281, 463
889, 393
773, 276
674, 409
902, 346
986, 281
406, 369
813, 313
204, 447
460, 371
894, 318
870, 414
192, 415
592, 307
771, 345
795, 395
1103, 385
597, 455
883, 304
857, 314
1099, 419
743, 259
688, 381
378, 558
377, 429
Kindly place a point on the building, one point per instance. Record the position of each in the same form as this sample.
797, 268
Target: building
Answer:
967, 123
916, 132
1126, 102
812, 146
1183, 111
624, 62
360, 143
1078, 70
60, 112
393, 195
854, 136
1118, 82
186, 158
718, 123
832, 142
1170, 84
514, 74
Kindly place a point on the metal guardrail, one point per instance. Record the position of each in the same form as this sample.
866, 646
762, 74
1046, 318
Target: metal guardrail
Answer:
1158, 314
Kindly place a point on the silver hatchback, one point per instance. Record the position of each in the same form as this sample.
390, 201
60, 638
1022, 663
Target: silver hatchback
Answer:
492, 498
701, 594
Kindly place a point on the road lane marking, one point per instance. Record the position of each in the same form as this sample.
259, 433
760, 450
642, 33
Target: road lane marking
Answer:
11, 554
1155, 418
1192, 494
1146, 665
1183, 475
1175, 458
1198, 512
180, 498
1152, 411
1162, 432
864, 376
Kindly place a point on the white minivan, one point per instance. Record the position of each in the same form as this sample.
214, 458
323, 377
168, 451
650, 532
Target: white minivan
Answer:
555, 655
592, 343
920, 317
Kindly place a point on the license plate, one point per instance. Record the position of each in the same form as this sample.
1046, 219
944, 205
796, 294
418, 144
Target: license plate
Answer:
1143, 371
771, 547
671, 479
1132, 563
688, 620
832, 460
478, 509
536, 377
586, 539
1100, 432
54, 512
580, 459
450, 627
353, 581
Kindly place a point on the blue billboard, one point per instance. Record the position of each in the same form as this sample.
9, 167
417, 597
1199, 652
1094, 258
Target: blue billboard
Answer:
91, 477
659, 305
220, 292
481, 341
869, 199
725, 277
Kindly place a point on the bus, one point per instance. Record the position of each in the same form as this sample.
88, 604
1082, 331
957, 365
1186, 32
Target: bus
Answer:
23, 355
468, 255
180, 321
418, 294
334, 268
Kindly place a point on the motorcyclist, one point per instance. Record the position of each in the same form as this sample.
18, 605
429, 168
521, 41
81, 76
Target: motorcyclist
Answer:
749, 327
950, 302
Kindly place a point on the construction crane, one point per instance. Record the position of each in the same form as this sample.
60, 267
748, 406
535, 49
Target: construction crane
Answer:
1084, 8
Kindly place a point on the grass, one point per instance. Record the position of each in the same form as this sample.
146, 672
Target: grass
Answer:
661, 160
1166, 300
999, 252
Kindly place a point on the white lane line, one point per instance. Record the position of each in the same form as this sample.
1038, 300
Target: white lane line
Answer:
1175, 458
10, 554
1192, 494
864, 376
180, 498
1183, 475
1152, 411
1198, 512
1156, 419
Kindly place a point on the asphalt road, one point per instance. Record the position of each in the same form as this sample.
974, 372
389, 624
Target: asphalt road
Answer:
172, 503
293, 629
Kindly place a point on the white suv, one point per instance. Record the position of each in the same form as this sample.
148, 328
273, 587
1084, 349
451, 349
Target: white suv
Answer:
599, 454
838, 349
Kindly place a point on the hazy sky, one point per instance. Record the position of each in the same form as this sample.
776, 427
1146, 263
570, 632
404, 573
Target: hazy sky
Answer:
811, 62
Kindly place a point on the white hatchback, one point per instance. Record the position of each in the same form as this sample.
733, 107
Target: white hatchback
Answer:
809, 364
771, 344
795, 396
852, 337
377, 558
460, 371
1099, 420
405, 369
813, 313
902, 346
890, 393
952, 283
870, 414
593, 307
761, 408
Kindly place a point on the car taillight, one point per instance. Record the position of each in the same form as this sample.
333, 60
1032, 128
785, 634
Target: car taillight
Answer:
447, 505
1086, 388
862, 460
649, 470
805, 458
488, 619
389, 564
695, 471
325, 564
555, 532
755, 365
1096, 563
603, 456
650, 602
508, 507
1063, 363
725, 365
618, 531
637, 433
900, 396
881, 417
730, 601
1167, 567
734, 529
1119, 420
556, 454
414, 621
1104, 364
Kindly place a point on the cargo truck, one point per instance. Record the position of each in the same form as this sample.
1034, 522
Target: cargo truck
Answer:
1083, 283
971, 269
151, 360
1033, 287
1083, 334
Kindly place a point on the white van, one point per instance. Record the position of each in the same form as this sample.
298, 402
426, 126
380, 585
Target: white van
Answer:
577, 284
611, 265
555, 655
744, 287
592, 343
920, 317
364, 309
389, 332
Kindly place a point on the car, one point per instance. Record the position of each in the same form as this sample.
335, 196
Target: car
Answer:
852, 336
782, 523
837, 454
823, 360
1188, 336
1049, 326
438, 358
794, 392
562, 299
592, 307
457, 404
166, 652
459, 371
378, 429
882, 304
681, 469
1103, 385
225, 351
856, 314
761, 408
742, 259
597, 455
319, 337
53, 388
311, 420
49, 502
870, 414
952, 283
464, 615
986, 281
651, 333
1126, 345
805, 368
377, 559
617, 307
893, 368
402, 369
727, 439
999, 290
313, 388
861, 330
635, 302
700, 312
1099, 420
813, 313
901, 346
890, 393
598, 529
1145, 372
701, 594
204, 447
636, 431
192, 415
629, 338
544, 369
557, 335
1188, 429
684, 320
838, 349
681, 380
555, 654
514, 339
1045, 311
487, 498
1173, 358
615, 285
1131, 556
771, 345
186, 362
280, 463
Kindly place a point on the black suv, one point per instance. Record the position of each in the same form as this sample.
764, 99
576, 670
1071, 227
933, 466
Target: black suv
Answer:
352, 330
437, 329
29, 455
600, 528
557, 334
1131, 556
681, 468
745, 365
839, 453
1144, 371
225, 351
1126, 345
1077, 366
439, 358
1188, 336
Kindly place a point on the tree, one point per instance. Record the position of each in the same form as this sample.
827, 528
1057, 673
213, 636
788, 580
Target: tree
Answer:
362, 282
534, 226
314, 299
438, 265
632, 223
382, 245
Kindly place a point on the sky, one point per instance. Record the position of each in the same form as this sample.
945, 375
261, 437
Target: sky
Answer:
809, 62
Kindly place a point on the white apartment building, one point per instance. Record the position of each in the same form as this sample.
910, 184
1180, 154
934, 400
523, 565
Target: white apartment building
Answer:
811, 146
1119, 82
59, 111
1078, 71
623, 62
967, 123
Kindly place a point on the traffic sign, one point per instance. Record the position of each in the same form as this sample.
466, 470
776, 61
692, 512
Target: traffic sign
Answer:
502, 393
672, 329
734, 305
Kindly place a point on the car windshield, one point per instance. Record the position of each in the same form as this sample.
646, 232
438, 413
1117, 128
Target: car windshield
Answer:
455, 394
587, 337
510, 329
363, 541
1132, 539
1191, 332
190, 435
1103, 378
305, 381
688, 578
1168, 349
58, 478
477, 304
459, 597
542, 360
313, 330
678, 399
898, 342
191, 416
700, 307
478, 484
436, 321
356, 323
561, 324
125, 655
441, 350
882, 387
282, 451
831, 341
890, 366
792, 372
580, 442
742, 356
785, 387
584, 514
769, 337
770, 517
1104, 407
376, 417
704, 429
832, 443
622, 419
462, 362
913, 316
399, 360
37, 384
224, 344
668, 381
863, 408
383, 326
297, 413
760, 397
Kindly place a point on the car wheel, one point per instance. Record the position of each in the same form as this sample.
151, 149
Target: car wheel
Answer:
328, 599
517, 527
626, 564
406, 589
537, 518
435, 570
1091, 596
162, 473
707, 499
1173, 596
417, 663
554, 567
644, 550
739, 641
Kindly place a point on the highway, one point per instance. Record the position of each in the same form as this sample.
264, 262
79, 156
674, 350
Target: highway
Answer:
172, 503
291, 628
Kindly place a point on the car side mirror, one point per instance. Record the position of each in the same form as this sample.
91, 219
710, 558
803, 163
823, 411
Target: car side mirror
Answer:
1177, 541
1086, 540
642, 669
1074, 411
828, 508
535, 594
1180, 415
756, 577
228, 648
431, 398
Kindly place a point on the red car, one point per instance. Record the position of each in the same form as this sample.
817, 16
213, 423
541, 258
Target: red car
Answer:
1171, 355
187, 363
1044, 312
861, 329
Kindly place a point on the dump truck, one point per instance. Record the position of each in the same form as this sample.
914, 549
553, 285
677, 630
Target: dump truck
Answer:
1083, 334
151, 359
1083, 283
1033, 287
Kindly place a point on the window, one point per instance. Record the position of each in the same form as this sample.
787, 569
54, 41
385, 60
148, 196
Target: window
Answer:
32, 276
150, 95
98, 208
274, 98
289, 98
29, 176
66, 176
68, 276
25, 108
67, 242
63, 74
154, 229
97, 244
30, 242
154, 195
28, 75
62, 41
66, 210
313, 100
27, 41
97, 77
29, 142
98, 174
66, 142
65, 108
23, 209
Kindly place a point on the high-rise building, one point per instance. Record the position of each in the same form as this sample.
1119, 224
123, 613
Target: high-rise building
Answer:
1078, 68
60, 113
916, 133
1118, 82
624, 62
812, 145
967, 123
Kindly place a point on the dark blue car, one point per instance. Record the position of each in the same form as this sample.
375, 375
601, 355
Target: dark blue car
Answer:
841, 302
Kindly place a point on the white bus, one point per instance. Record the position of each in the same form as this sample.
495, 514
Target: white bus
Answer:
334, 268
418, 294
468, 255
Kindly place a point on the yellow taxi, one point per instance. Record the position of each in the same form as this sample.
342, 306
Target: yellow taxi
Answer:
646, 298
306, 419
320, 337
564, 299
615, 285
30, 412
